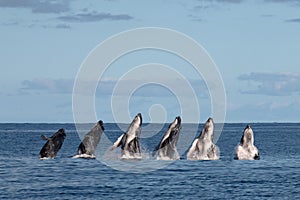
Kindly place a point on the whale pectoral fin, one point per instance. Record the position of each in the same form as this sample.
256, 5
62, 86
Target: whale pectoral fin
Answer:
242, 140
81, 149
137, 148
192, 149
45, 137
118, 142
256, 156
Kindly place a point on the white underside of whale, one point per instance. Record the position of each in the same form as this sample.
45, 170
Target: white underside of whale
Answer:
85, 156
175, 157
46, 158
246, 153
125, 156
202, 150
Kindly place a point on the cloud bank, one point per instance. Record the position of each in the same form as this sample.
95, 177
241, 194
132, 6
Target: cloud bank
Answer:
60, 86
273, 84
266, 111
93, 17
38, 6
106, 87
62, 10
296, 20
284, 1
226, 1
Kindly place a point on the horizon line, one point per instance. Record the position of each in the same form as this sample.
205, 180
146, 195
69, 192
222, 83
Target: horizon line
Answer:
147, 122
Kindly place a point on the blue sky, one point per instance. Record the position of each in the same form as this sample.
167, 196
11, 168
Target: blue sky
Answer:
255, 44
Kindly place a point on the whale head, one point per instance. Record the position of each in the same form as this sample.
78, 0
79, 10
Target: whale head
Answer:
247, 138
60, 133
174, 129
208, 130
246, 149
176, 123
178, 120
100, 122
138, 120
135, 127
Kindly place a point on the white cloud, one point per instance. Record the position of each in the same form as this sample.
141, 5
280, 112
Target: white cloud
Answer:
279, 109
107, 85
272, 84
38, 6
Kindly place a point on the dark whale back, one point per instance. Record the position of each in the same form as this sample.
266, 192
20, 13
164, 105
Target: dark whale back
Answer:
53, 144
91, 139
170, 142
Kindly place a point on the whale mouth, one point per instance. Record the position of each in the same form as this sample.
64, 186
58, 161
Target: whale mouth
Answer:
209, 123
178, 120
178, 124
248, 131
139, 118
210, 120
100, 122
62, 132
248, 137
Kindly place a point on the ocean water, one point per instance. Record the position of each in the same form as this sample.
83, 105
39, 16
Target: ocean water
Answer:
275, 176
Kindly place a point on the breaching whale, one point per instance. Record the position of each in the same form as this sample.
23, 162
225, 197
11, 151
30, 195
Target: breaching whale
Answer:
203, 147
130, 140
89, 144
53, 144
246, 149
166, 149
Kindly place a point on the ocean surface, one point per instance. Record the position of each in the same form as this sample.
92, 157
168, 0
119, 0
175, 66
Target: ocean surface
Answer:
24, 176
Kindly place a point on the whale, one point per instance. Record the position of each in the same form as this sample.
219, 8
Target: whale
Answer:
53, 144
203, 147
246, 150
130, 140
89, 144
166, 149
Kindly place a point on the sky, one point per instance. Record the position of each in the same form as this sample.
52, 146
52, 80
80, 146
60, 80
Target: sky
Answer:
254, 44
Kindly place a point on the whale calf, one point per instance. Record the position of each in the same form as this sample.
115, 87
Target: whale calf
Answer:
246, 149
53, 144
203, 147
166, 149
130, 140
89, 144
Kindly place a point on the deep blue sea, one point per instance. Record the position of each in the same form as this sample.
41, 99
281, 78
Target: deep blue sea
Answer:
275, 176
